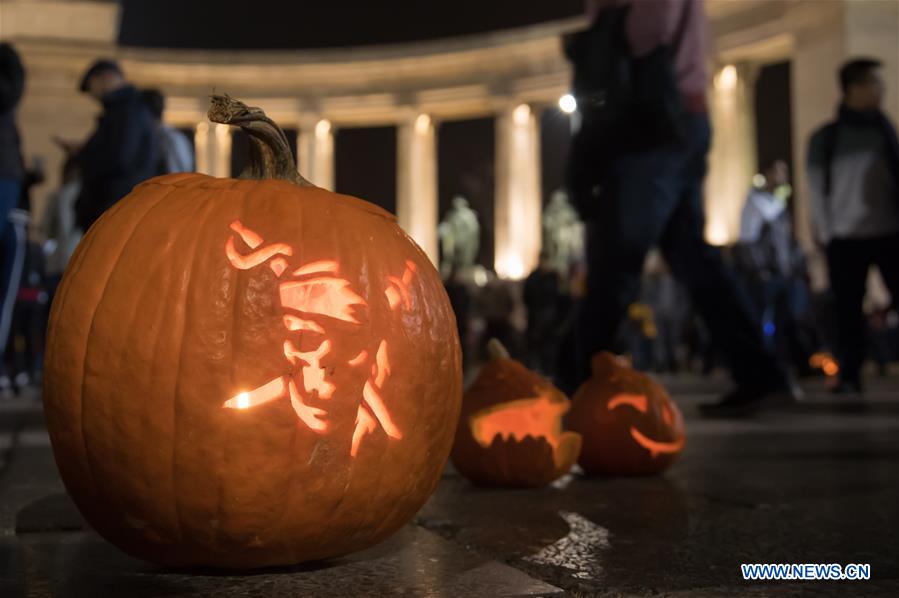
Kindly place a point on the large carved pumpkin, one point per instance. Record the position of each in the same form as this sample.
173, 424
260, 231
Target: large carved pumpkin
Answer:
510, 431
629, 424
245, 373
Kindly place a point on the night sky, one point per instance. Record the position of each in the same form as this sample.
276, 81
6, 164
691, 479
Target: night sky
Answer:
281, 24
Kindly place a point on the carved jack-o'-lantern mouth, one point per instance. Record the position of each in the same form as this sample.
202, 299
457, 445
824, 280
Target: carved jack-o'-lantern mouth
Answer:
641, 404
538, 417
316, 289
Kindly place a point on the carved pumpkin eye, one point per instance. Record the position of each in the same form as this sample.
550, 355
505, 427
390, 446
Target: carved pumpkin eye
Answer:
638, 402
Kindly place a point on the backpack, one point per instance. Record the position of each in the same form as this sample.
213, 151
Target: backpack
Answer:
626, 104
632, 103
603, 72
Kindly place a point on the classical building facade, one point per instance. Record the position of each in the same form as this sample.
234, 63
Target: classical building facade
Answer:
509, 75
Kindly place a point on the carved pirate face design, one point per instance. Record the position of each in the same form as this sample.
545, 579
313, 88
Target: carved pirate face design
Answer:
315, 298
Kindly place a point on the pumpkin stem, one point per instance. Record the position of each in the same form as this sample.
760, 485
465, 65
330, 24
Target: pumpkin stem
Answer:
270, 155
496, 350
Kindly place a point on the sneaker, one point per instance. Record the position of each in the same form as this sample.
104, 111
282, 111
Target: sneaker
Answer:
746, 401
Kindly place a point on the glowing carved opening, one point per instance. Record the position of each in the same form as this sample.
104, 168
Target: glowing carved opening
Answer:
365, 424
537, 417
326, 296
318, 291
640, 403
308, 415
359, 359
319, 267
293, 323
398, 290
249, 237
278, 266
271, 390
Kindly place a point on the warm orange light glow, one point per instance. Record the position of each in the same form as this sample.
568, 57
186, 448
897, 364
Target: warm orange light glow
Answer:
359, 359
655, 447
245, 262
537, 417
826, 362
316, 289
278, 266
398, 288
252, 239
270, 391
376, 403
293, 323
383, 364
365, 424
319, 267
638, 402
641, 404
325, 295
308, 415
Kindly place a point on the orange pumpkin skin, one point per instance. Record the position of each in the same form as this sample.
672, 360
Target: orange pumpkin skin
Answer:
154, 329
629, 424
513, 459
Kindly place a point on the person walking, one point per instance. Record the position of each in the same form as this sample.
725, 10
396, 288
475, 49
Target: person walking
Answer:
853, 175
175, 153
638, 164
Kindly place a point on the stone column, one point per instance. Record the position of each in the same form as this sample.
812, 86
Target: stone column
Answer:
416, 205
316, 151
518, 202
212, 144
732, 158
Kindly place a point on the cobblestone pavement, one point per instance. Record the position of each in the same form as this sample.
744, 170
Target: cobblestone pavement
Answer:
816, 484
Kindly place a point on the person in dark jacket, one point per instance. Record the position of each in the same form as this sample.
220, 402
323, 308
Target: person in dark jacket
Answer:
542, 298
853, 175
12, 220
651, 194
122, 150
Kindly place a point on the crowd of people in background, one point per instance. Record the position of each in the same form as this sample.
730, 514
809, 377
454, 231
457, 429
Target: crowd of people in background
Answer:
129, 144
649, 284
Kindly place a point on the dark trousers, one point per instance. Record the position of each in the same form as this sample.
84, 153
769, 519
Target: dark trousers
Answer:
655, 198
848, 261
12, 256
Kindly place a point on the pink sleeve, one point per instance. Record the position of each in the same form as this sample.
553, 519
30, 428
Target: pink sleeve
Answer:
651, 23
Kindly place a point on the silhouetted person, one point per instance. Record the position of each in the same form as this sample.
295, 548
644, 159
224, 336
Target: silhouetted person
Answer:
460, 300
773, 263
58, 225
649, 173
542, 298
853, 171
174, 150
13, 221
121, 152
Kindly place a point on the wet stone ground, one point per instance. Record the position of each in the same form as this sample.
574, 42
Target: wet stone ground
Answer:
817, 484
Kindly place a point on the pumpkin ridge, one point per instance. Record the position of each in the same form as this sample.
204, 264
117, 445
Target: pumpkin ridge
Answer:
113, 267
183, 232
210, 210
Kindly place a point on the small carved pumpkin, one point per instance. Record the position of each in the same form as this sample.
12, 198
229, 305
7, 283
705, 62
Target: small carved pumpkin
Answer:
629, 423
510, 432
245, 373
